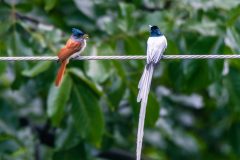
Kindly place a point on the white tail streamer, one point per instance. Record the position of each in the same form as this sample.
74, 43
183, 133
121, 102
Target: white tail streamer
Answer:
144, 88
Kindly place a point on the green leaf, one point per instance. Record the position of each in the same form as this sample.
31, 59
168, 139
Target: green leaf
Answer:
232, 39
37, 69
119, 69
99, 71
4, 27
234, 15
152, 111
79, 74
3, 49
40, 38
135, 106
86, 7
234, 137
25, 6
126, 9
126, 14
232, 83
80, 114
19, 45
173, 49
57, 99
227, 5
86, 111
19, 79
157, 20
115, 91
8, 137
88, 117
20, 152
133, 46
49, 5
205, 27
3, 67
207, 5
194, 75
68, 138
77, 152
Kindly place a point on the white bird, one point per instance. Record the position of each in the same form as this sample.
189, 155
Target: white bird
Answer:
156, 45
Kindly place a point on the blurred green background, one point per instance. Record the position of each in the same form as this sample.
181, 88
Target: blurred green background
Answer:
194, 106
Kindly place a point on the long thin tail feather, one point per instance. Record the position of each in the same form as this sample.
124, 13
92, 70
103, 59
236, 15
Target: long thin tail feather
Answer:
61, 72
144, 87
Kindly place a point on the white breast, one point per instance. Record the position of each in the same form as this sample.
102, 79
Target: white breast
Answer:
155, 48
84, 44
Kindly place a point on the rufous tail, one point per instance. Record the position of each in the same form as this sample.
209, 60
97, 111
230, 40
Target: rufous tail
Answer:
61, 72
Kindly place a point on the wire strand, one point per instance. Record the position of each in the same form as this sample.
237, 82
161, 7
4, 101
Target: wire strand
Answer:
55, 58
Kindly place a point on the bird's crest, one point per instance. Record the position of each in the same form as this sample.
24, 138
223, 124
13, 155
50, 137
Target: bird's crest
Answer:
77, 33
155, 31
154, 27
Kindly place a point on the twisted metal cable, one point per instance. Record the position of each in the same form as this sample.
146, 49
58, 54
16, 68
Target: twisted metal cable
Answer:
54, 58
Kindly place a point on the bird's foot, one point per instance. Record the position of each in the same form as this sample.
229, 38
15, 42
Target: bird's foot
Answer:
75, 57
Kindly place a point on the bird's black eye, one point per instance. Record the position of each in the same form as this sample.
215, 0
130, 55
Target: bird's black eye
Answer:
80, 34
154, 27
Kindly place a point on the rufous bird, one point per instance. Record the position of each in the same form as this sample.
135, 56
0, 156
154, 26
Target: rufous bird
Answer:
73, 48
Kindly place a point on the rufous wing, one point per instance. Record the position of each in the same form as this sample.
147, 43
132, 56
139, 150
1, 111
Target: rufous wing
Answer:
70, 48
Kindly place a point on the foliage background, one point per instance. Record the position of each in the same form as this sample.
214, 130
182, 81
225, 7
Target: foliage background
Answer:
194, 105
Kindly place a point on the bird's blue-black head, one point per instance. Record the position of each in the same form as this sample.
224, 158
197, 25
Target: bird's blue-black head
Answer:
77, 33
155, 31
